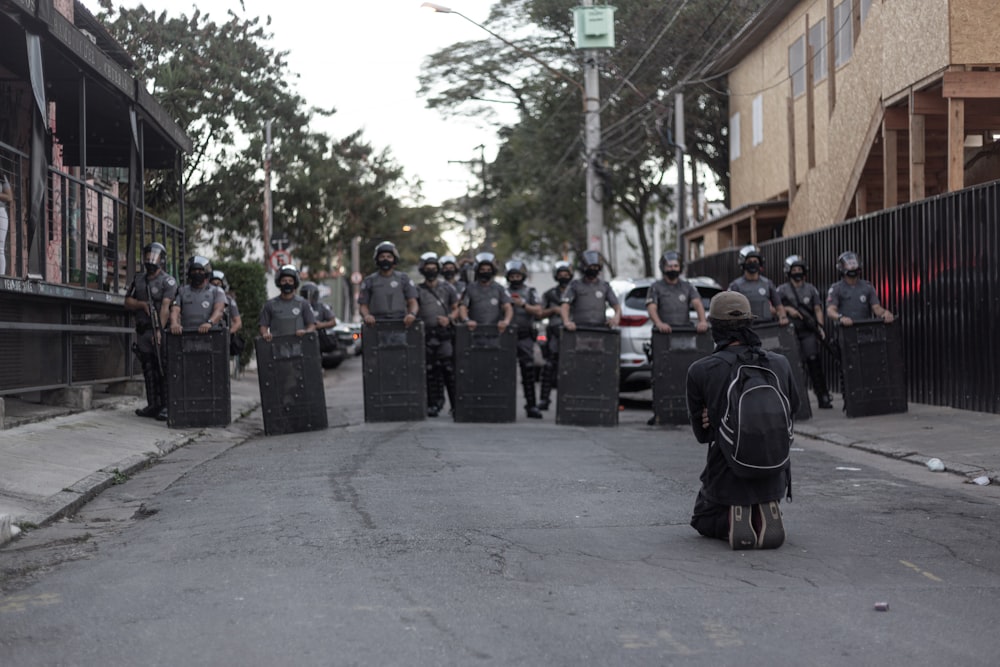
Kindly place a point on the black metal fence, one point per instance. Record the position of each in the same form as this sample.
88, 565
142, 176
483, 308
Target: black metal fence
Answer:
936, 265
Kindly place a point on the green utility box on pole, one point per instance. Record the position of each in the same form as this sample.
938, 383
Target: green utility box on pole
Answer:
595, 27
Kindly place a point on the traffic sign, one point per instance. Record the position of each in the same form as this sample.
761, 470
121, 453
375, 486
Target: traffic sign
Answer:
356, 277
279, 258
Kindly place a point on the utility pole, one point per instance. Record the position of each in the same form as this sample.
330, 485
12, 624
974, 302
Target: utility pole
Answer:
268, 208
592, 145
680, 150
483, 212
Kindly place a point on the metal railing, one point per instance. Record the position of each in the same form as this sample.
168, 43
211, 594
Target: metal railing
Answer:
934, 264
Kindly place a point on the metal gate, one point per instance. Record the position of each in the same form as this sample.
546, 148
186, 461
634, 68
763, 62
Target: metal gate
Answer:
394, 375
290, 375
485, 374
673, 354
198, 379
783, 340
873, 371
589, 364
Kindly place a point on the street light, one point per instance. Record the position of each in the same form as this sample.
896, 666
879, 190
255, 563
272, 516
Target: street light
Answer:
592, 124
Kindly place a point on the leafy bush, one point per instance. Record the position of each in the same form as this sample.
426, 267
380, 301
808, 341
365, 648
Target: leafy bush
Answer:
248, 284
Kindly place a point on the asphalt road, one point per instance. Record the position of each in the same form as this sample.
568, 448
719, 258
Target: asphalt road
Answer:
438, 543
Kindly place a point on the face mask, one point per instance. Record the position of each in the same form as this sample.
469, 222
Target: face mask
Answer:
851, 274
797, 277
484, 276
516, 284
151, 269
563, 280
430, 274
385, 265
672, 275
591, 272
287, 288
196, 279
751, 268
448, 274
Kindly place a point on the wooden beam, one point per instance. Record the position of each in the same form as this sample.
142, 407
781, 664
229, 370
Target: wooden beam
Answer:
890, 177
861, 200
896, 118
792, 183
971, 84
928, 104
917, 159
956, 144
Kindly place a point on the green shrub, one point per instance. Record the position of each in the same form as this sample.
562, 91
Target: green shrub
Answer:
248, 284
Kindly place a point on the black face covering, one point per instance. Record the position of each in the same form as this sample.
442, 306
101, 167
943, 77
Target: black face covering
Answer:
430, 274
287, 288
197, 279
752, 268
151, 269
851, 274
724, 334
591, 272
797, 277
516, 284
448, 274
484, 276
563, 280
385, 265
672, 275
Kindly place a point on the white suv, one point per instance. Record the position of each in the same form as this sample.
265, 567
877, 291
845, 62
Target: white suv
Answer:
637, 329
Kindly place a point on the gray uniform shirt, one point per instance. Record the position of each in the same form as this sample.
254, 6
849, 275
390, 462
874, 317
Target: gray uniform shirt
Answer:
286, 316
673, 301
524, 320
761, 293
552, 298
485, 302
436, 301
853, 301
588, 301
386, 296
161, 286
197, 303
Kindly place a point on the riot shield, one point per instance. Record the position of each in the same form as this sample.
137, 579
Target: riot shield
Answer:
291, 384
673, 354
776, 338
394, 375
198, 379
485, 374
589, 363
873, 371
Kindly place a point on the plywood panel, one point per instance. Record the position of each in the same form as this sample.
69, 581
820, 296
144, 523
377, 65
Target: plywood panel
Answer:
974, 32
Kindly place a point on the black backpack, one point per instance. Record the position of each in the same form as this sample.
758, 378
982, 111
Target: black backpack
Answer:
755, 434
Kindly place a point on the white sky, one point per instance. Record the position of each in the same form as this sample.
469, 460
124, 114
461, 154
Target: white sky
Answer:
362, 57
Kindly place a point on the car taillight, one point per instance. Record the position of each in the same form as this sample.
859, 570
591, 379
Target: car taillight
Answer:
633, 320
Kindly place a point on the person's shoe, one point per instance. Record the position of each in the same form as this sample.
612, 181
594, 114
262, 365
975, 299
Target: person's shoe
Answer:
433, 411
162, 415
543, 406
534, 413
651, 421
771, 533
741, 532
825, 402
148, 411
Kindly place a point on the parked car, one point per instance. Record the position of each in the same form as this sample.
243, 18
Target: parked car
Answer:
637, 329
349, 336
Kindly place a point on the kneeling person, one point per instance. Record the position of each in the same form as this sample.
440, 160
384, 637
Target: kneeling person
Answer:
731, 506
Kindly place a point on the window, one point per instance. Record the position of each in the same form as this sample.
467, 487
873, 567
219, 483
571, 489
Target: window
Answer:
866, 6
758, 120
797, 66
817, 41
843, 33
734, 137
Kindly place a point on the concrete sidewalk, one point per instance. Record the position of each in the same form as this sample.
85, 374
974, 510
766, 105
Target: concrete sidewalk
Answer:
55, 462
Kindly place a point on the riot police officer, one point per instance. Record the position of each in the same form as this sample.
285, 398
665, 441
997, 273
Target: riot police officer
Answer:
803, 304
323, 314
552, 299
387, 294
852, 297
670, 301
287, 314
759, 290
586, 299
438, 302
484, 301
231, 318
449, 272
149, 297
527, 308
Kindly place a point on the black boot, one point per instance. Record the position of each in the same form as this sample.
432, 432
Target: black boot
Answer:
818, 378
548, 374
528, 386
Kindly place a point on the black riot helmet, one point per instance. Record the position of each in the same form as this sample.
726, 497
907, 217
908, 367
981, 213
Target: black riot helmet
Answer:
516, 266
199, 263
386, 246
310, 292
748, 251
154, 256
221, 277
588, 261
559, 267
286, 270
848, 263
670, 256
486, 258
794, 260
428, 258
